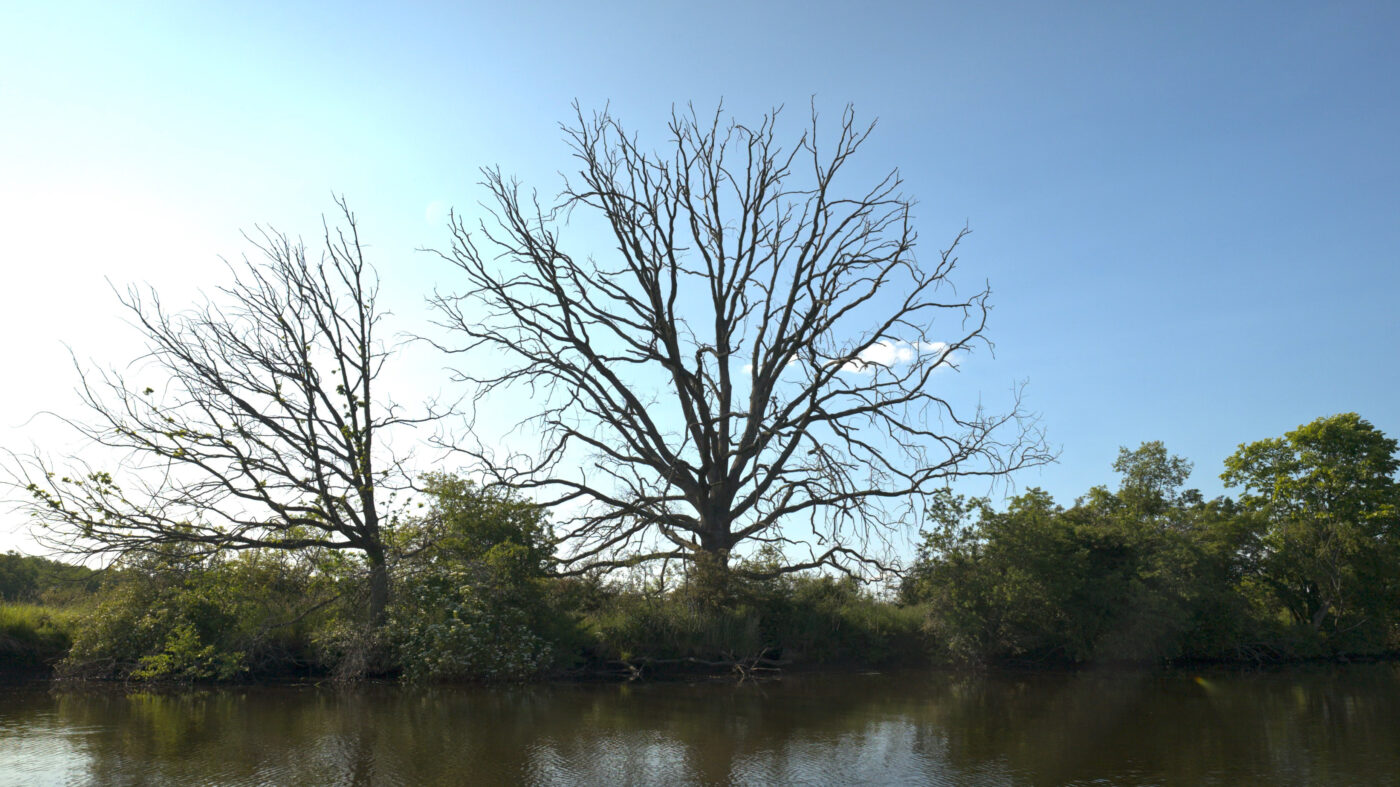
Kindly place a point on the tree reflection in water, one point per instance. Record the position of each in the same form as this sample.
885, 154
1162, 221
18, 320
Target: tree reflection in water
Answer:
1315, 726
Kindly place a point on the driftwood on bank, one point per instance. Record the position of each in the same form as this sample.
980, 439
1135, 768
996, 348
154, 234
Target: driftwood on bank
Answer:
752, 667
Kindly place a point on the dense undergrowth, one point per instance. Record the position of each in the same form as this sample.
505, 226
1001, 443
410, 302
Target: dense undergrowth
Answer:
255, 617
243, 620
1305, 565
40, 602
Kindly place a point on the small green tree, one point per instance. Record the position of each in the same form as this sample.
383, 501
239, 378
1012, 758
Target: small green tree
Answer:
1151, 485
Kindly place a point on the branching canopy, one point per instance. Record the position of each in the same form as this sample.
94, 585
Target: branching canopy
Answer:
252, 421
757, 359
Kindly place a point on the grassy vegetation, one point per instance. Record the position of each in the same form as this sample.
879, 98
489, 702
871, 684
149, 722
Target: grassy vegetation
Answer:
34, 636
41, 601
802, 621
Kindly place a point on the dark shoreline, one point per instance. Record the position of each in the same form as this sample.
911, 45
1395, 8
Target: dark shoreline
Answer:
10, 677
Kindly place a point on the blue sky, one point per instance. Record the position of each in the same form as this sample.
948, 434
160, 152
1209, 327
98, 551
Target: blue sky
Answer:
1188, 212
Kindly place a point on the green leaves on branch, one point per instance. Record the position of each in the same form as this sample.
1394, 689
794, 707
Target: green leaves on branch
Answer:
1327, 507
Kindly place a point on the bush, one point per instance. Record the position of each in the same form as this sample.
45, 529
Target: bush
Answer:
466, 623
470, 604
185, 619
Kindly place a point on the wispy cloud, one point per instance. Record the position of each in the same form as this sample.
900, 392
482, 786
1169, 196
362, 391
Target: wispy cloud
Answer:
887, 354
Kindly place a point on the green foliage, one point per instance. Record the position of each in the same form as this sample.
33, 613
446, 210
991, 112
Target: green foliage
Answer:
805, 620
185, 657
653, 626
1122, 576
1305, 564
40, 601
181, 618
471, 603
31, 578
1326, 505
460, 624
1029, 583
821, 619
1151, 480
466, 524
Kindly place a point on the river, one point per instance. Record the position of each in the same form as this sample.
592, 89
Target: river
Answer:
1305, 726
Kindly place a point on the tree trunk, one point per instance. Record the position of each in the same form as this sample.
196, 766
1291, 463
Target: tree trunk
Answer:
1319, 616
709, 574
378, 586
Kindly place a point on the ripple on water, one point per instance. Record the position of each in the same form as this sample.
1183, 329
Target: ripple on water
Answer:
1335, 727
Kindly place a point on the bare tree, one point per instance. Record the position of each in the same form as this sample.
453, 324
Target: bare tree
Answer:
259, 428
756, 361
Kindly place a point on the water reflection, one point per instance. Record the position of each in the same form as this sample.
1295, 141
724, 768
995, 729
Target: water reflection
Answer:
1335, 726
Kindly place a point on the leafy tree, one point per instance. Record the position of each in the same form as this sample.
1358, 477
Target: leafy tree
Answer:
1158, 524
1123, 575
261, 426
756, 361
999, 586
1151, 482
1327, 504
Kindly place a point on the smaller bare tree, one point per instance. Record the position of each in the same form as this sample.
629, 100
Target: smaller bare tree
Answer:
257, 424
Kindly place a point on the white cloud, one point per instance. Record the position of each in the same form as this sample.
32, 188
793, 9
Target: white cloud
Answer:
886, 354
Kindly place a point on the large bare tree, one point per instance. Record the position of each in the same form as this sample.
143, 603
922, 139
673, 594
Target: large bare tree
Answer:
252, 422
755, 360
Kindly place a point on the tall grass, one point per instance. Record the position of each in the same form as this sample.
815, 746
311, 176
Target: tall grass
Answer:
34, 636
805, 621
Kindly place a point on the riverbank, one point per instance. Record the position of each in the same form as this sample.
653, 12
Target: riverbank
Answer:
826, 628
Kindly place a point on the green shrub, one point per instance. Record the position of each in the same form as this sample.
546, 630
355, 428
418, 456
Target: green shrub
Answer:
466, 623
669, 626
184, 619
185, 657
470, 603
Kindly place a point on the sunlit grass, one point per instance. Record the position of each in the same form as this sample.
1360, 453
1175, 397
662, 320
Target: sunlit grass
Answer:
34, 635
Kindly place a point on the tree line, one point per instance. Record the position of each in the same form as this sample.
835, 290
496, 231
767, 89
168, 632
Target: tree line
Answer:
1305, 562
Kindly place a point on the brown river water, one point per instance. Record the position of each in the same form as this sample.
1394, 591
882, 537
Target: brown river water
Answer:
1304, 726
